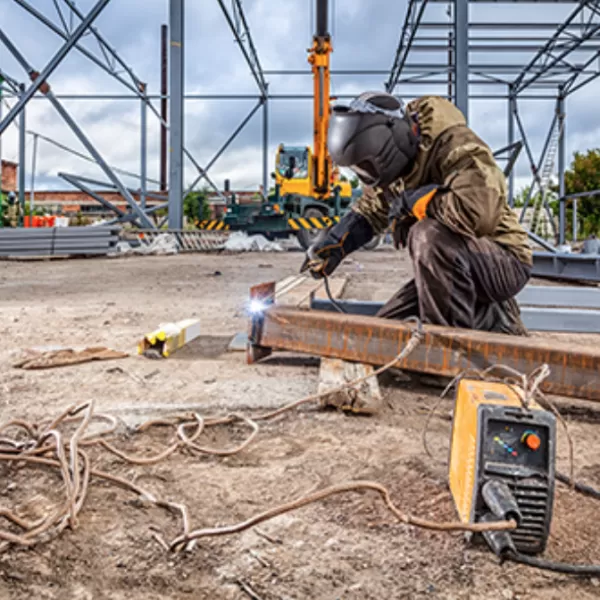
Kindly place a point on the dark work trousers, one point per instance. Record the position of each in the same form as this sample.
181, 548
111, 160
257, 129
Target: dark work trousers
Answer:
460, 282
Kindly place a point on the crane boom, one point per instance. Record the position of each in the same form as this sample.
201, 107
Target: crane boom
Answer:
319, 59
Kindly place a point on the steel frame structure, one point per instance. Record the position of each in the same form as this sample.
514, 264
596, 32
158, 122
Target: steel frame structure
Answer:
562, 62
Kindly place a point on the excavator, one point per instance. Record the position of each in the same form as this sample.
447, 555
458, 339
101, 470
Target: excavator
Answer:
310, 194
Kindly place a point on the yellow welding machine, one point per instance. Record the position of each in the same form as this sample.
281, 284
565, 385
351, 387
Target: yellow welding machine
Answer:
497, 443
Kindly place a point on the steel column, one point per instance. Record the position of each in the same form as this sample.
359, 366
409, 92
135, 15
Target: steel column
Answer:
461, 56
511, 140
575, 223
562, 219
40, 79
176, 31
265, 147
22, 147
33, 169
1, 108
143, 148
443, 350
164, 91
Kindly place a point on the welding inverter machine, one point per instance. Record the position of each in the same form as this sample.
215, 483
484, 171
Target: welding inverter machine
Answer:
502, 464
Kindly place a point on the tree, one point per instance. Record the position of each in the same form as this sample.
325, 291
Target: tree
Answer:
584, 176
354, 183
196, 206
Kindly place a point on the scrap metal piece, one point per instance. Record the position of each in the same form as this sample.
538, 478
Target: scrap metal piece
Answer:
169, 338
444, 351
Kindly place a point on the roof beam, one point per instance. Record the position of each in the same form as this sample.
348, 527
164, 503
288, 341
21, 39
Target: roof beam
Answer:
239, 26
546, 57
414, 14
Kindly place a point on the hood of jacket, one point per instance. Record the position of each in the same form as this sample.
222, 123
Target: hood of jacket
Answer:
433, 115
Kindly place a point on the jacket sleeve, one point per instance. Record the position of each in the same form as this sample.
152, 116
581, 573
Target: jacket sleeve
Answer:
375, 207
474, 204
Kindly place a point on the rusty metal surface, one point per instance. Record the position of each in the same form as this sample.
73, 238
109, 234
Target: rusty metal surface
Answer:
444, 351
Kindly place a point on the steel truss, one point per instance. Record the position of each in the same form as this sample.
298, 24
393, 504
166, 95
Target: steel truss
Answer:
565, 56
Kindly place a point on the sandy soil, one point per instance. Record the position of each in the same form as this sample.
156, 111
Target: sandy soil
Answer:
344, 547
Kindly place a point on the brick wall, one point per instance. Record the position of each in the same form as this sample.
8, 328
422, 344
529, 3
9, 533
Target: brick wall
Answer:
8, 181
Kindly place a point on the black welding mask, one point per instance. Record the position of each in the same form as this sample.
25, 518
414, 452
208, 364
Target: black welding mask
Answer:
373, 137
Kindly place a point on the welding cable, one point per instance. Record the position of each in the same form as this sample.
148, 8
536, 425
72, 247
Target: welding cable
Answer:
582, 488
551, 565
333, 301
353, 486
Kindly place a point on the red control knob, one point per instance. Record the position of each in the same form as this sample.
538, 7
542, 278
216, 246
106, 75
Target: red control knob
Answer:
531, 440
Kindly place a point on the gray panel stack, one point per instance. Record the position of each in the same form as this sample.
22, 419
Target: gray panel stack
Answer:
58, 241
573, 267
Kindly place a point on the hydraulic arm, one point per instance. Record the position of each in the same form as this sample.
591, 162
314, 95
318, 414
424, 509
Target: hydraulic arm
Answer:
319, 59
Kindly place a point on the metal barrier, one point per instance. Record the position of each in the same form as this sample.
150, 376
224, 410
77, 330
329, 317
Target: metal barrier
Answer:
58, 241
187, 240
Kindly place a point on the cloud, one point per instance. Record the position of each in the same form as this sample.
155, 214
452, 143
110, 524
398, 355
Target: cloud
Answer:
365, 36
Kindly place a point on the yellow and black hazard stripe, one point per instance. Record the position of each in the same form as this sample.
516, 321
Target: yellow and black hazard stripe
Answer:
312, 222
212, 225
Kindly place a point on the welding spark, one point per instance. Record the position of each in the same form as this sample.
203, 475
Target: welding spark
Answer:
256, 307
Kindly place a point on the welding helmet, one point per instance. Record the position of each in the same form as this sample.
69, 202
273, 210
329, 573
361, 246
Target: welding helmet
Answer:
374, 137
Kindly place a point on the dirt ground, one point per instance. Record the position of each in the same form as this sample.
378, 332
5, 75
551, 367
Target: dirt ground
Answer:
346, 547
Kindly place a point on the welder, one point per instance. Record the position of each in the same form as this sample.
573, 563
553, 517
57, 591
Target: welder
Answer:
430, 178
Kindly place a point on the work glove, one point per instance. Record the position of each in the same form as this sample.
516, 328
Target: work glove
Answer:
351, 233
406, 208
400, 229
412, 202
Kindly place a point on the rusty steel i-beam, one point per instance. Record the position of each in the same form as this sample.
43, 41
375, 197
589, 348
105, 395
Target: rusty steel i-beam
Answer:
443, 351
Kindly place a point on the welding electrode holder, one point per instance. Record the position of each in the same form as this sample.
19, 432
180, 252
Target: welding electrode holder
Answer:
499, 542
500, 501
502, 506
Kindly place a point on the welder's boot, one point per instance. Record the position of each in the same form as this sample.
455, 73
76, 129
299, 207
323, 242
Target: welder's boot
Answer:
500, 317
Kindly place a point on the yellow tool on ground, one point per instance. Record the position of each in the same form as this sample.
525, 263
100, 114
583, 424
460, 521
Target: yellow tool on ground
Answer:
168, 338
502, 463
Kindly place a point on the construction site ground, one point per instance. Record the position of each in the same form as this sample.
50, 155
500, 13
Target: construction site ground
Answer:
346, 547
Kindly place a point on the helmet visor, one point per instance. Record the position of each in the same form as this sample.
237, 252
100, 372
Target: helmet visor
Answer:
361, 105
366, 172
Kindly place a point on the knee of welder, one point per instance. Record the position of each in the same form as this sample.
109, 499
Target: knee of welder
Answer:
425, 239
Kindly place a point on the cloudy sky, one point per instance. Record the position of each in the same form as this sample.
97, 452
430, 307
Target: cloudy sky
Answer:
365, 36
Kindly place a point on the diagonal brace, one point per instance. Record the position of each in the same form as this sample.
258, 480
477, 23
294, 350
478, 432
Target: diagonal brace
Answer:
39, 79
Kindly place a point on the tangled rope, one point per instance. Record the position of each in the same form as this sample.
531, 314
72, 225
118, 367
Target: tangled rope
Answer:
47, 445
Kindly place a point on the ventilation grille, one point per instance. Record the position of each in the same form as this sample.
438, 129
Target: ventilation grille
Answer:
533, 497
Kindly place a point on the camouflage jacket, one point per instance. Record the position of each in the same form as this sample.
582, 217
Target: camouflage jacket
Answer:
452, 154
